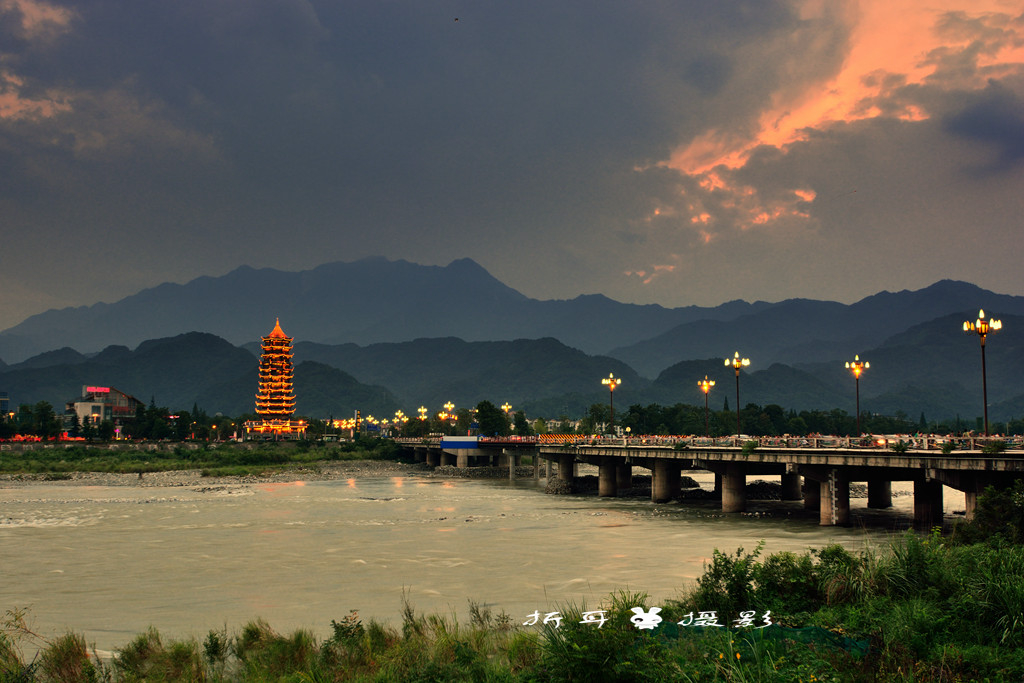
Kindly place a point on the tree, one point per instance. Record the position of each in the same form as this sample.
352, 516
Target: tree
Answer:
491, 419
45, 420
106, 430
521, 426
88, 430
596, 416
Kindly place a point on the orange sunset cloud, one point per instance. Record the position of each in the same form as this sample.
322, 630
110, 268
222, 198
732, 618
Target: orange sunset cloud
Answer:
906, 41
892, 46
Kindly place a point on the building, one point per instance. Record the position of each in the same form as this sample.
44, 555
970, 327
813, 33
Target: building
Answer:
275, 400
103, 403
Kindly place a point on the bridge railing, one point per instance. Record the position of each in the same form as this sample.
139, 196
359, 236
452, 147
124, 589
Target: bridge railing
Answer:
923, 442
917, 442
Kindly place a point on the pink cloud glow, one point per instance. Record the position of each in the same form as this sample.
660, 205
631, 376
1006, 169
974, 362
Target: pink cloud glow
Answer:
910, 40
892, 46
38, 19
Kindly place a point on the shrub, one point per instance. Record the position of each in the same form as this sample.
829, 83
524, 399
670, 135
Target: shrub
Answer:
785, 583
727, 585
67, 660
994, 447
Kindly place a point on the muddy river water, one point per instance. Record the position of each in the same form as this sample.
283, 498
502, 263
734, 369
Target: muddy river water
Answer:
110, 561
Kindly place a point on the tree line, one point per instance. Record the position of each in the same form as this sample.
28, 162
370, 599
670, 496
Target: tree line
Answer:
486, 419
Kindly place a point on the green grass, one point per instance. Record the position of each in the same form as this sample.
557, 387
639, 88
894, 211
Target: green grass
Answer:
220, 460
919, 609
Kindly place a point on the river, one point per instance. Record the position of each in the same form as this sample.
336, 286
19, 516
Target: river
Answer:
110, 561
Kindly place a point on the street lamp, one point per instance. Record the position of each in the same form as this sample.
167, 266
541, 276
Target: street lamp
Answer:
612, 381
982, 327
506, 407
705, 386
857, 367
736, 362
422, 410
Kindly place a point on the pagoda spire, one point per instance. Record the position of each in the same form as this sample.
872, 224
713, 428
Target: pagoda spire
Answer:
276, 397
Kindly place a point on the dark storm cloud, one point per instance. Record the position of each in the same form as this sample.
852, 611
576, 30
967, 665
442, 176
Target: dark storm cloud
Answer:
995, 118
563, 144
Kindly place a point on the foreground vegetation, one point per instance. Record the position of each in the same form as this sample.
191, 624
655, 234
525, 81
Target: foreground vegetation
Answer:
223, 459
921, 609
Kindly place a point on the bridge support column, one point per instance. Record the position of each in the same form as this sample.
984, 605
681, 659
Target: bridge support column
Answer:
834, 509
433, 458
536, 465
734, 488
511, 463
565, 467
675, 480
462, 460
812, 495
879, 493
790, 487
927, 504
446, 459
547, 469
624, 476
971, 500
663, 475
607, 481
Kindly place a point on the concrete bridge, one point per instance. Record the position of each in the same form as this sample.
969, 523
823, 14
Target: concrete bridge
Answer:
817, 471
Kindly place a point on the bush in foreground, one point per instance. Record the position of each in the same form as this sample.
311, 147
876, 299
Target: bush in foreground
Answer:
923, 609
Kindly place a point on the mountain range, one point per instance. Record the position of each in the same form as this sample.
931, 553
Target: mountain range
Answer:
381, 335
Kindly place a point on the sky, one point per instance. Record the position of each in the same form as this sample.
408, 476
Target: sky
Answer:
663, 151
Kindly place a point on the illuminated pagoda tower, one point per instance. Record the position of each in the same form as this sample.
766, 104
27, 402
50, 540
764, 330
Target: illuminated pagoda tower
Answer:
275, 401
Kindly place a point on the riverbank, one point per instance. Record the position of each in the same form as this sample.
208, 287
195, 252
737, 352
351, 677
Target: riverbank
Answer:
325, 470
921, 610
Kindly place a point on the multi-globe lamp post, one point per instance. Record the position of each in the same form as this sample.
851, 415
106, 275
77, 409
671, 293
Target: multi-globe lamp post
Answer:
449, 408
736, 362
705, 386
982, 327
856, 366
612, 381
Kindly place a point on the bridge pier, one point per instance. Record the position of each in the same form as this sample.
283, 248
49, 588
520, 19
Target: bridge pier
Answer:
462, 460
834, 508
607, 479
665, 481
879, 493
565, 467
812, 495
790, 487
624, 476
433, 458
927, 504
446, 459
734, 488
971, 499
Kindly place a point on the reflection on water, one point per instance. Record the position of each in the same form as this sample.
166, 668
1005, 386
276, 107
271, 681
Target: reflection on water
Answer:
110, 562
